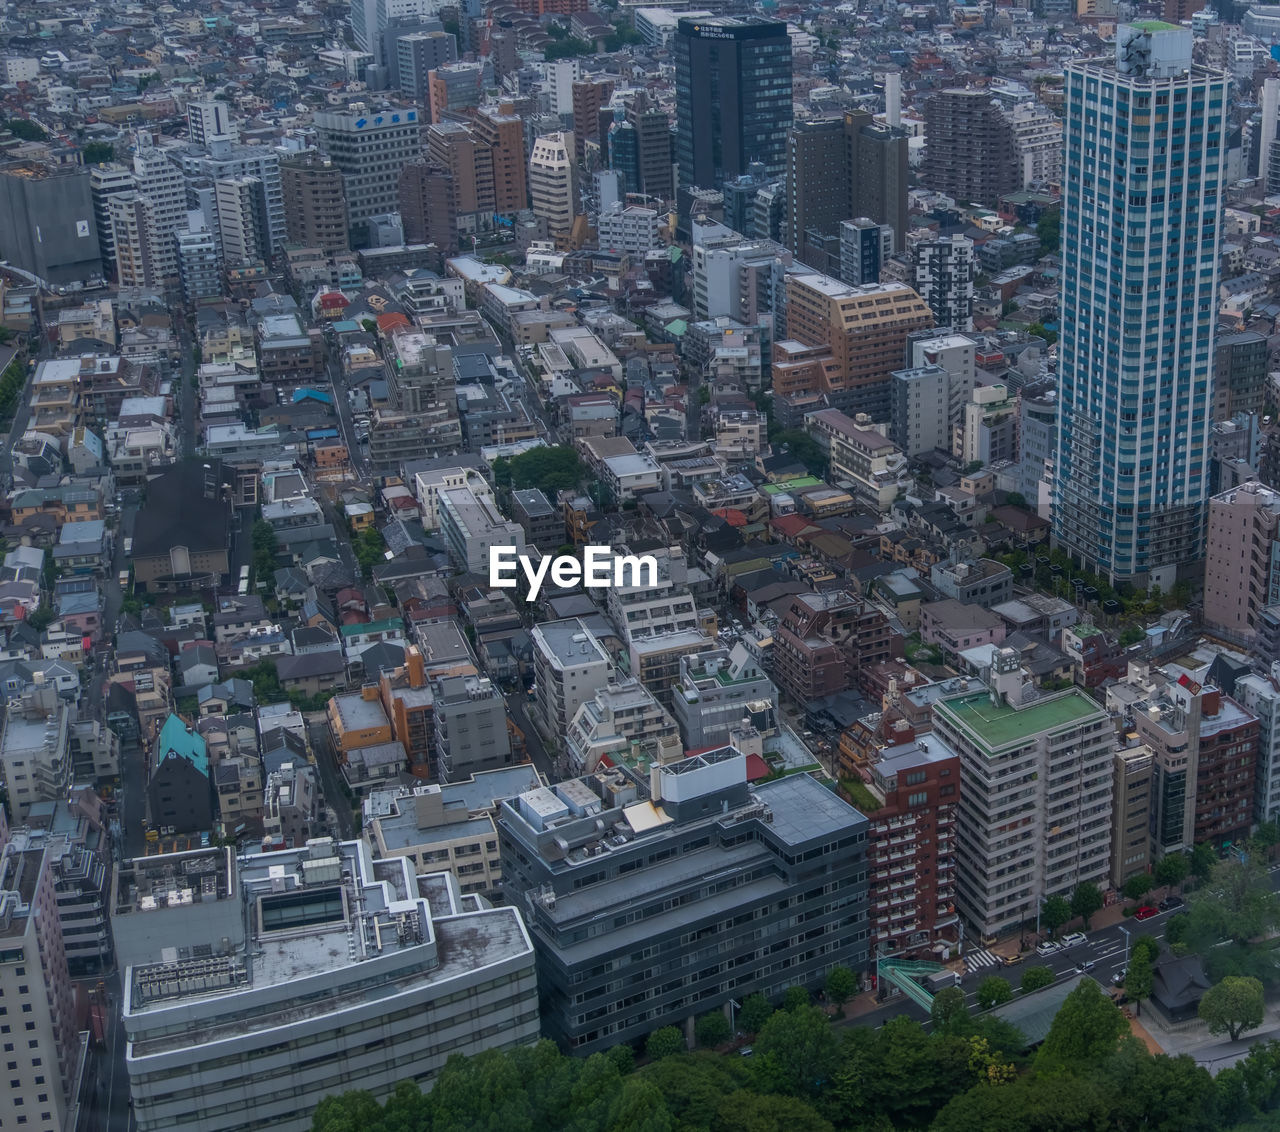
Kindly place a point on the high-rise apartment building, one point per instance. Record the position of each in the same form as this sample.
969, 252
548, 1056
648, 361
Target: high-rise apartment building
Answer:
417, 54
110, 179
1133, 773
44, 1054
700, 889
209, 120
918, 421
864, 246
569, 667
370, 20
502, 130
242, 221
315, 203
223, 159
944, 280
1241, 560
1035, 784
552, 184
911, 850
370, 147
838, 168
590, 96
428, 208
1037, 144
1259, 695
198, 261
1206, 748
1144, 166
641, 149
733, 97
969, 151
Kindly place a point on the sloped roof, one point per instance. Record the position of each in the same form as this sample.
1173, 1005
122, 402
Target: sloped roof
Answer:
176, 737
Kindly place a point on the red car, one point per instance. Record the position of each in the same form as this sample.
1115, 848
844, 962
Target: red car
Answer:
1146, 912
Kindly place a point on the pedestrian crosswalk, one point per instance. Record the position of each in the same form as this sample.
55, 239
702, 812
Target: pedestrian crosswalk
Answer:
980, 957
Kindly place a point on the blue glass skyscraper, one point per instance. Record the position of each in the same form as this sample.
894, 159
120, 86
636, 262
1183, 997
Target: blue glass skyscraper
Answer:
1141, 199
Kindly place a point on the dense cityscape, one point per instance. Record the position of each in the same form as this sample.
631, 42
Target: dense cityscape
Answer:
611, 566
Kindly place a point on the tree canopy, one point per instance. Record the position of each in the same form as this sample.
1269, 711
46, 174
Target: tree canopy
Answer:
809, 1076
550, 469
1233, 1006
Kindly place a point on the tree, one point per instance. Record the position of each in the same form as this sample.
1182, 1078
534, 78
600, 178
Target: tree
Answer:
25, 129
665, 1042
1172, 869
95, 153
756, 1011
623, 1058
1233, 1006
1039, 330
369, 548
796, 1051
712, 1029
1146, 945
1036, 978
949, 1007
1085, 901
41, 618
1055, 913
1137, 886
841, 985
1139, 979
263, 540
550, 469
1203, 858
357, 1111
993, 991
745, 1111
1049, 231
1084, 1031
795, 998
1030, 1104
803, 448
1131, 635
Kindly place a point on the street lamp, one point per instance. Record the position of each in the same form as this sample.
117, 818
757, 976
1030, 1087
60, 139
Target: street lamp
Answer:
1126, 945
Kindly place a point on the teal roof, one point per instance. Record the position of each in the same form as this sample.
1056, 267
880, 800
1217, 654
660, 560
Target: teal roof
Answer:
175, 737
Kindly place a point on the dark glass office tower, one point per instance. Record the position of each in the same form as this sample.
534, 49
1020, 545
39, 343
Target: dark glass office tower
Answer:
733, 98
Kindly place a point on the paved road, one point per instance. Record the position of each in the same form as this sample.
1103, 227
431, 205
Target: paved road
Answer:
1106, 948
346, 419
330, 777
542, 760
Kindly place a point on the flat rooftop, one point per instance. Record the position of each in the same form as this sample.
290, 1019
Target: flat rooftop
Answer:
995, 727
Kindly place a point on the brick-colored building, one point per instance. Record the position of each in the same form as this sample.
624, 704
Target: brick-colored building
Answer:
911, 794
824, 639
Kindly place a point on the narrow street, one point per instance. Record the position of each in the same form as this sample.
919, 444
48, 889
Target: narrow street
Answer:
329, 775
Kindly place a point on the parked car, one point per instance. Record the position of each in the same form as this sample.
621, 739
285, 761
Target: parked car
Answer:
1073, 939
1171, 902
1047, 948
1119, 977
1146, 912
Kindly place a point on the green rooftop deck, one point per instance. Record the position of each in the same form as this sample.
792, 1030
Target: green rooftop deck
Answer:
996, 727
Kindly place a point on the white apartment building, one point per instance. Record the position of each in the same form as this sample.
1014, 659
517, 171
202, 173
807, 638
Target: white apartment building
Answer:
1035, 793
1260, 695
35, 751
569, 666
552, 192
223, 1036
620, 720
163, 191
1037, 143
651, 610
429, 485
630, 229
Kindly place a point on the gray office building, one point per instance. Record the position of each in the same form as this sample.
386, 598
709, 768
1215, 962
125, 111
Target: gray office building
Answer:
47, 223
471, 727
718, 692
657, 894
